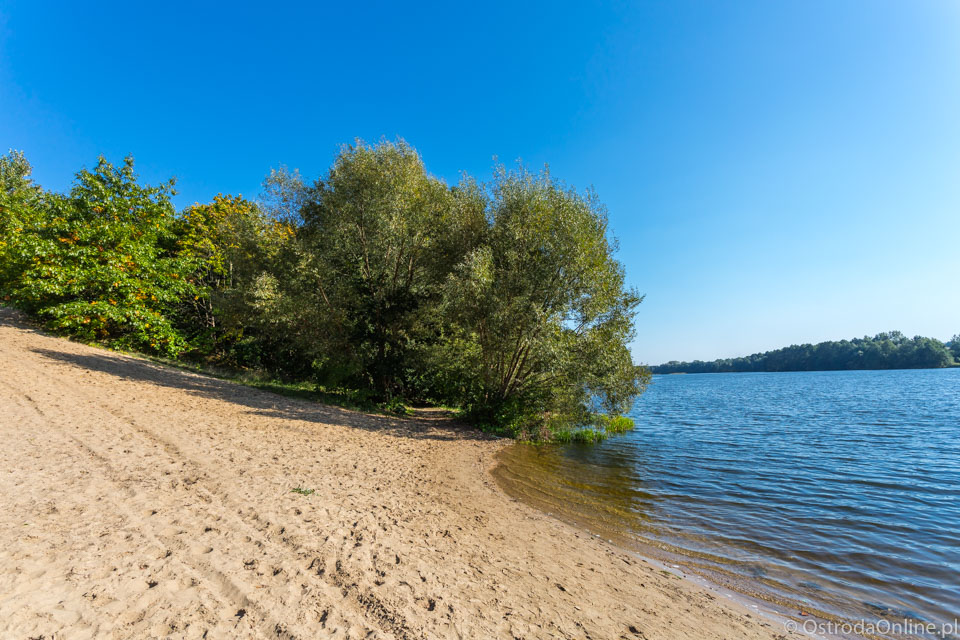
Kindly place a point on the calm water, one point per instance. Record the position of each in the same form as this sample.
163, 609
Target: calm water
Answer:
835, 491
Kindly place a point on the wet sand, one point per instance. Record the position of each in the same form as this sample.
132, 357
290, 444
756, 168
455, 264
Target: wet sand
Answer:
144, 501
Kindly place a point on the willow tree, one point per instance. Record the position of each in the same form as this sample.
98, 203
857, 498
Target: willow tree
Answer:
538, 316
379, 236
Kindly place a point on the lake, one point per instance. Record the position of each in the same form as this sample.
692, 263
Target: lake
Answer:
835, 492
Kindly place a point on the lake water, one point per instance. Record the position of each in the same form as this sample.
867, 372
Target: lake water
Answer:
834, 492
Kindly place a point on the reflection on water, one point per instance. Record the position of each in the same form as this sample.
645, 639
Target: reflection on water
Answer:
838, 491
557, 480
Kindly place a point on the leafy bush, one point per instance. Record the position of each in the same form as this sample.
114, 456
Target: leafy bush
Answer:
396, 407
582, 435
20, 205
99, 263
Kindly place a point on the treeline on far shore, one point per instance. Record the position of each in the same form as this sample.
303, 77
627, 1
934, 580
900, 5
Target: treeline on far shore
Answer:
376, 285
891, 350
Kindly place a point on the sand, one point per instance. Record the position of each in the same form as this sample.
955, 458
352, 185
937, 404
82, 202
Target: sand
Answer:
143, 501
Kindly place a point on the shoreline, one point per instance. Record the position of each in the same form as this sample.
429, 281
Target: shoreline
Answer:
517, 477
142, 500
734, 587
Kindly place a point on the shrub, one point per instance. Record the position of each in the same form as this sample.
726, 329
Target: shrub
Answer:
99, 263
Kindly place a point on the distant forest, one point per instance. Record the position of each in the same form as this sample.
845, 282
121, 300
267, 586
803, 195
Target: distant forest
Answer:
891, 350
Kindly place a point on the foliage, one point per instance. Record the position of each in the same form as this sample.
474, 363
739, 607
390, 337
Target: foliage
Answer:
99, 263
538, 316
20, 201
283, 196
232, 243
395, 406
891, 350
616, 424
376, 286
378, 238
602, 427
581, 435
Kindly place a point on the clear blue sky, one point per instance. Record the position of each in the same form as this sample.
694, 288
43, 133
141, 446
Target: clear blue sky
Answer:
776, 172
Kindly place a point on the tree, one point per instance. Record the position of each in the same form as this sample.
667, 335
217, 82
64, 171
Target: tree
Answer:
538, 315
20, 209
889, 350
100, 264
378, 280
379, 236
230, 241
283, 195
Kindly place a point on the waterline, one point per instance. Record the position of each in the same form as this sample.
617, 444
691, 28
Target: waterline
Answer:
834, 492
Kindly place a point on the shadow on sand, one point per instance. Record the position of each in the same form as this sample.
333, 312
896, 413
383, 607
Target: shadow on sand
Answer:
434, 425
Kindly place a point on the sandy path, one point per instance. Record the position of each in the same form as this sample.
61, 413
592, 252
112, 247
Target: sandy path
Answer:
140, 501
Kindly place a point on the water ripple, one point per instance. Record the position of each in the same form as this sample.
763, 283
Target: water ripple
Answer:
840, 490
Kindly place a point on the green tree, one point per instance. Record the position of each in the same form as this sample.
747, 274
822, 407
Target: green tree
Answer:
21, 207
379, 236
283, 196
538, 316
504, 299
231, 243
100, 264
888, 350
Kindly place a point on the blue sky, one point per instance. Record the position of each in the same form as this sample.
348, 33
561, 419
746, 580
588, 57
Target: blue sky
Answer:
776, 172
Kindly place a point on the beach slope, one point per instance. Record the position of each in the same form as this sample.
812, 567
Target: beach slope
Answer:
144, 501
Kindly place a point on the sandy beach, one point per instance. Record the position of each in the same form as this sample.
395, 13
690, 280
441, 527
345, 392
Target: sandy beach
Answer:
143, 501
